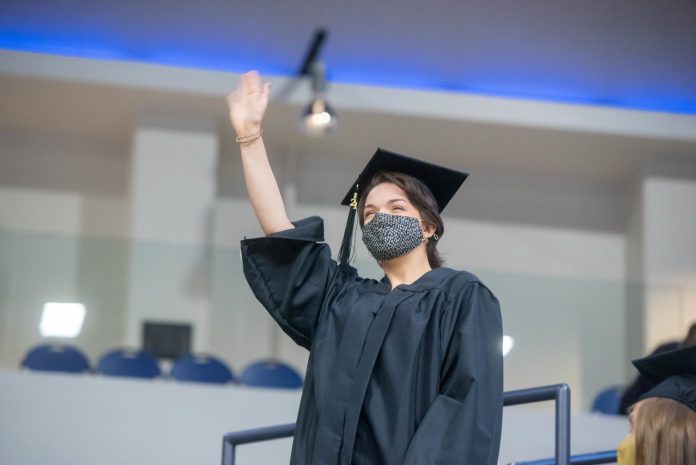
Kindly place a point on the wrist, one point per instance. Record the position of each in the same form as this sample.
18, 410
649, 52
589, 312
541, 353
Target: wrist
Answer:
247, 130
249, 139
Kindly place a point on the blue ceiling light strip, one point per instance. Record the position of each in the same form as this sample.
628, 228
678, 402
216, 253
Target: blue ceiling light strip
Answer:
113, 52
541, 89
660, 100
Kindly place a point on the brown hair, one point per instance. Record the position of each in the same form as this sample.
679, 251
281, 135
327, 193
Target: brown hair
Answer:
420, 197
665, 433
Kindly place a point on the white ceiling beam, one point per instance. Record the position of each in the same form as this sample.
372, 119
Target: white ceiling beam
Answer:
406, 102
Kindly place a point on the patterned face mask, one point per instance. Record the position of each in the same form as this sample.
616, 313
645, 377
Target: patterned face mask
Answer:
389, 236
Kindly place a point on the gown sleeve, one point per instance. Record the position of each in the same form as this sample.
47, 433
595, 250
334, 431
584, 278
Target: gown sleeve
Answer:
290, 273
463, 424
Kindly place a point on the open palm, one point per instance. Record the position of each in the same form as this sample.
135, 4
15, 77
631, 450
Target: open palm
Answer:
248, 103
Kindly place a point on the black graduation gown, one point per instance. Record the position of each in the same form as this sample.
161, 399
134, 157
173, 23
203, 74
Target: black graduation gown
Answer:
410, 376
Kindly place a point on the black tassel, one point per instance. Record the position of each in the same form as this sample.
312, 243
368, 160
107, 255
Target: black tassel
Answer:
344, 255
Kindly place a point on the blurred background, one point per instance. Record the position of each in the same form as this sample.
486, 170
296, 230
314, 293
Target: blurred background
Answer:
121, 187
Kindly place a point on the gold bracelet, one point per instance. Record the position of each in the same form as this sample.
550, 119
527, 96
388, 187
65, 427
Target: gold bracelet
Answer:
246, 140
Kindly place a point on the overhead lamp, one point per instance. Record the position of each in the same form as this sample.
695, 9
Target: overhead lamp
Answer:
318, 118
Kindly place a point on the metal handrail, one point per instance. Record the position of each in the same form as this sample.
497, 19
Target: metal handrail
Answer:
595, 458
231, 440
560, 393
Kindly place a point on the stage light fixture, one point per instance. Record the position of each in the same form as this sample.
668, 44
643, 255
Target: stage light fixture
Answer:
318, 118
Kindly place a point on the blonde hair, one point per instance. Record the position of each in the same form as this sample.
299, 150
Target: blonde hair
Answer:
665, 432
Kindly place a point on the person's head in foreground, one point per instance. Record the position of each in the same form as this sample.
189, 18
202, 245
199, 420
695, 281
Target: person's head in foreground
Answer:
663, 421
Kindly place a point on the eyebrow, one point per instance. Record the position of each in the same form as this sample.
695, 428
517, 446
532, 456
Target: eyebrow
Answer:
398, 199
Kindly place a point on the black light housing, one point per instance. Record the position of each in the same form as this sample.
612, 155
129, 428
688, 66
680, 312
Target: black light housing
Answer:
318, 118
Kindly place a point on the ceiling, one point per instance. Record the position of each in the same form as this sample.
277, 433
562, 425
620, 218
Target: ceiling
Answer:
625, 53
110, 114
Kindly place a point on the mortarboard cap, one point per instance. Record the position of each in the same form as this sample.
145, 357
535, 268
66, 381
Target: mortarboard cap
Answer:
675, 371
442, 182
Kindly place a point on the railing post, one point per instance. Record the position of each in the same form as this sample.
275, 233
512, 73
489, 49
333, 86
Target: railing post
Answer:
228, 450
563, 425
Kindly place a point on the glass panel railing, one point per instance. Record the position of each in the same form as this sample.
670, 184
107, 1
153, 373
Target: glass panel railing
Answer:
578, 331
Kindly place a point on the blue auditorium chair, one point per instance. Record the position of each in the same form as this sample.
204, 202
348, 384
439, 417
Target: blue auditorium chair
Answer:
132, 363
56, 357
271, 373
608, 400
201, 369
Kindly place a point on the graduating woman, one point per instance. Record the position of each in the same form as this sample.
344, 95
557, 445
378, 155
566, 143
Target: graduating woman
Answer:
407, 370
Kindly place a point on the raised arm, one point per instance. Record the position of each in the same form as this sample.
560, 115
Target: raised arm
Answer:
247, 105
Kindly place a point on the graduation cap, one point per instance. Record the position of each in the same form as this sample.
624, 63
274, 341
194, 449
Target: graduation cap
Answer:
675, 371
442, 182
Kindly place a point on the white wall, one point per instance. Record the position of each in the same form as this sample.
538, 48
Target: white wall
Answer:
671, 203
172, 196
669, 258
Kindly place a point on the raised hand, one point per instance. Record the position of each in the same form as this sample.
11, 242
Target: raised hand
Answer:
248, 103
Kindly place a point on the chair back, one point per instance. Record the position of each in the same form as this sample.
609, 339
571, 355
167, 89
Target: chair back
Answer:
201, 369
271, 373
608, 400
56, 357
129, 363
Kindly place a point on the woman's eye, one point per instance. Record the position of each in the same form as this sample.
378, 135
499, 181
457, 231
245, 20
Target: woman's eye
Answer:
397, 207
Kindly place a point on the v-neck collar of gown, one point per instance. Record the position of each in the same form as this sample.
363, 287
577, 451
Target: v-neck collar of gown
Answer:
426, 281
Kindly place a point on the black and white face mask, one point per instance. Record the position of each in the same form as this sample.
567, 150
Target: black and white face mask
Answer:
389, 236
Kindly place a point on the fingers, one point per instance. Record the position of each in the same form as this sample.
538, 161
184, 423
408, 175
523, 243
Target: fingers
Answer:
251, 82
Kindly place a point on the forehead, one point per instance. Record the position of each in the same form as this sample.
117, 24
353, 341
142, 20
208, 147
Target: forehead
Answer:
384, 192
